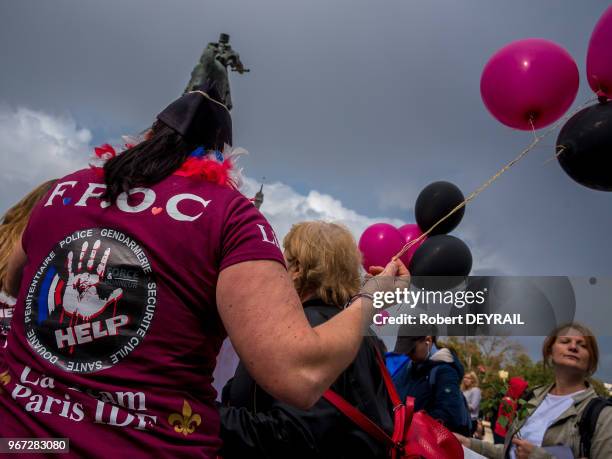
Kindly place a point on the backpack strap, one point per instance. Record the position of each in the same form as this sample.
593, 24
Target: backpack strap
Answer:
466, 418
360, 419
388, 380
588, 423
369, 426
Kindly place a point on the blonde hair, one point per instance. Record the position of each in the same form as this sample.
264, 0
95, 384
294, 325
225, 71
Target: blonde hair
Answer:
15, 221
327, 258
589, 339
474, 377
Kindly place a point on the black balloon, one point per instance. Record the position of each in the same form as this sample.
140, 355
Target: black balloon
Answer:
584, 147
434, 202
445, 257
514, 295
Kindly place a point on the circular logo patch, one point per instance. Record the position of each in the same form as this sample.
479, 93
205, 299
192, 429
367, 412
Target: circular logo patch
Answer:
91, 301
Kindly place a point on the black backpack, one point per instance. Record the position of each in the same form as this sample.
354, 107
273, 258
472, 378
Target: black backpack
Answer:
465, 420
588, 422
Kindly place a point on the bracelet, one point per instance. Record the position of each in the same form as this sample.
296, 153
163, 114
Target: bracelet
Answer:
369, 296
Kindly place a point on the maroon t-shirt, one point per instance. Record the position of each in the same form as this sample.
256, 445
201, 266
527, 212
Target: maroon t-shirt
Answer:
115, 333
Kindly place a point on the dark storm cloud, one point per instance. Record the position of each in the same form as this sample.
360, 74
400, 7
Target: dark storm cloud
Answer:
368, 101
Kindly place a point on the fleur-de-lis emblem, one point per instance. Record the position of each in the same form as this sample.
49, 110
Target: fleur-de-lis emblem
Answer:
5, 378
187, 422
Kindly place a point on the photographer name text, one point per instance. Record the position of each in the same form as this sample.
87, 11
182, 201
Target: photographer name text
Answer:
438, 319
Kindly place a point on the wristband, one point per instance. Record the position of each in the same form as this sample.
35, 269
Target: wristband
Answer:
369, 296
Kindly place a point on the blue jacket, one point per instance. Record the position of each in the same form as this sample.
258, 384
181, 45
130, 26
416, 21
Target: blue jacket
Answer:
441, 397
395, 362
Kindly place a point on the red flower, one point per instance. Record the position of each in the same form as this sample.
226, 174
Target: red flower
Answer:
481, 368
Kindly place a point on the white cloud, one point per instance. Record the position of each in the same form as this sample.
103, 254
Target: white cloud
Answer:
35, 147
283, 206
400, 197
487, 260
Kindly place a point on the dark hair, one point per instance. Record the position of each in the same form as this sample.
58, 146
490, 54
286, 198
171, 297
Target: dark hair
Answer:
147, 163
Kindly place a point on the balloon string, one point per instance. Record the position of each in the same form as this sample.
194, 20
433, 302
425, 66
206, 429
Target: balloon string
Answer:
561, 149
533, 129
504, 169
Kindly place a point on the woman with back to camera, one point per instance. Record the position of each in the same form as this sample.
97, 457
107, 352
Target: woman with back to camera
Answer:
551, 428
128, 279
324, 262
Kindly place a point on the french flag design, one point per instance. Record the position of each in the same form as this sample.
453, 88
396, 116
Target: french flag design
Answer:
50, 296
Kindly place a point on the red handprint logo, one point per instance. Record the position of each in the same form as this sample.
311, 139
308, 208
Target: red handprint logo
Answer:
81, 297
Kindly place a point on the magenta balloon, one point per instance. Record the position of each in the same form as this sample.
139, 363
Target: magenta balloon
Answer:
379, 243
409, 233
599, 57
529, 79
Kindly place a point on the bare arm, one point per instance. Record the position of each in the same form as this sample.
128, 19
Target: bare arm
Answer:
266, 323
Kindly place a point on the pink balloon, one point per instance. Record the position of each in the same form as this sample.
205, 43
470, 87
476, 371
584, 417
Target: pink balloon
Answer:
379, 243
409, 233
599, 57
385, 314
531, 79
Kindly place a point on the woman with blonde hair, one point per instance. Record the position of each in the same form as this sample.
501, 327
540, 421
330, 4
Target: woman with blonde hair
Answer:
14, 222
472, 394
323, 261
12, 226
554, 424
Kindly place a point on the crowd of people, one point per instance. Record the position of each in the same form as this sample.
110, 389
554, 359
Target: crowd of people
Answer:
119, 284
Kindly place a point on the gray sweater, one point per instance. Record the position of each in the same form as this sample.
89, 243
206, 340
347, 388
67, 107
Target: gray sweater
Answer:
472, 396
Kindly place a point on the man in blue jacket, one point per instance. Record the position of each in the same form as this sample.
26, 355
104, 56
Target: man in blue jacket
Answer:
432, 377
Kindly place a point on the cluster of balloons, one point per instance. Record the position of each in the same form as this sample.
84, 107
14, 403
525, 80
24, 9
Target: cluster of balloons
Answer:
584, 145
531, 83
436, 255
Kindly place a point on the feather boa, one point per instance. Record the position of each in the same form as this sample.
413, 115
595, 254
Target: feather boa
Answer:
210, 166
214, 166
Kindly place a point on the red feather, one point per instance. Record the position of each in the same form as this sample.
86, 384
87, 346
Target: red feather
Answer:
105, 151
207, 169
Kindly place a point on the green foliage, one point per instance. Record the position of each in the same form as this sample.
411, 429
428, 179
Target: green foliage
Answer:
487, 356
599, 387
535, 373
493, 390
524, 409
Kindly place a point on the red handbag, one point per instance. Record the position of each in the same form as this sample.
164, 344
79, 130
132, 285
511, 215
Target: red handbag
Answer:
415, 435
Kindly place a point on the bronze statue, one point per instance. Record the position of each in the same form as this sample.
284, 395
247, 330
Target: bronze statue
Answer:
213, 68
259, 198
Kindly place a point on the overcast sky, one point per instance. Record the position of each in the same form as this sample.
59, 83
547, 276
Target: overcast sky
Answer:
350, 109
